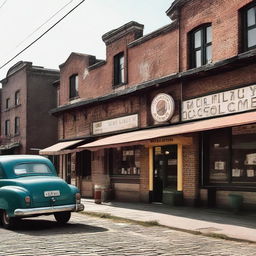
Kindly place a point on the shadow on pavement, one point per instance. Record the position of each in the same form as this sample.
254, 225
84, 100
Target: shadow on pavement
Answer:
40, 227
221, 216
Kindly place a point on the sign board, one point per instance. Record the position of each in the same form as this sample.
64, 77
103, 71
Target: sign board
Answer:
222, 103
162, 107
116, 124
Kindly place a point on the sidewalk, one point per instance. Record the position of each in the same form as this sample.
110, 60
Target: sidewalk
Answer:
207, 221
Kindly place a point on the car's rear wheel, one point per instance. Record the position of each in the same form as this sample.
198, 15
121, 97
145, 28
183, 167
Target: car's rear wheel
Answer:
62, 217
8, 222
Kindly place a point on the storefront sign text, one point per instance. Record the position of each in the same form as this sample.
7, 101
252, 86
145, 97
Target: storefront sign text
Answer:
116, 124
223, 103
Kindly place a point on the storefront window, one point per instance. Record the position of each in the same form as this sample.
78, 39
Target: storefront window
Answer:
218, 156
125, 161
230, 156
243, 155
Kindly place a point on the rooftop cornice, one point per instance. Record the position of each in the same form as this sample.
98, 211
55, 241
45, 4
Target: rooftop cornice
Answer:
118, 33
154, 34
172, 11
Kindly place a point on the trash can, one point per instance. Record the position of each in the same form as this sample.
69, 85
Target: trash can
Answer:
97, 194
105, 193
236, 202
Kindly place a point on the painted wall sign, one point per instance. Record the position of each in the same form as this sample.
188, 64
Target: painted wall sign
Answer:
223, 103
162, 107
116, 124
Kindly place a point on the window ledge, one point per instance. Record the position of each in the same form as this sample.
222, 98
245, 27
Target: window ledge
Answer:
12, 107
71, 100
133, 179
115, 86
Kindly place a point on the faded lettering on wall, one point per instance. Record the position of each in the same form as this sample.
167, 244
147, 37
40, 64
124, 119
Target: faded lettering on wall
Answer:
116, 124
223, 103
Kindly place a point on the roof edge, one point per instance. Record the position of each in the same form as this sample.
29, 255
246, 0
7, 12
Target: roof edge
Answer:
230, 63
171, 12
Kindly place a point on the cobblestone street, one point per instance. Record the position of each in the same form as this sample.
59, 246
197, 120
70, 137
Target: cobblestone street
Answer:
94, 236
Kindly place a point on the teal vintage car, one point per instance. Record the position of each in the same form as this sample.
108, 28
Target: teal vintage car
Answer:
29, 186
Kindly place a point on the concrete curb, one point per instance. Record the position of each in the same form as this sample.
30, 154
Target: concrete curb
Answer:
156, 223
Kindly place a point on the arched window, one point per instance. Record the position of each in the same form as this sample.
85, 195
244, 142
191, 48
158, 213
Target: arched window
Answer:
201, 46
119, 69
249, 25
73, 86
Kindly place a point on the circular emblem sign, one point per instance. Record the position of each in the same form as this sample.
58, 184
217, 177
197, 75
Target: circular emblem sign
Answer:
162, 107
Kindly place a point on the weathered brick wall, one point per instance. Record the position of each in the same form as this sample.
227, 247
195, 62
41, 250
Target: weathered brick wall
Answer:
218, 82
99, 174
39, 88
79, 122
154, 58
191, 171
75, 64
15, 83
225, 19
144, 175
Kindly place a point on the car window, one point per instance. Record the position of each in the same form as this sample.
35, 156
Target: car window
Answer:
31, 168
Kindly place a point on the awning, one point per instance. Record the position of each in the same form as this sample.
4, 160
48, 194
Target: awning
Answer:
9, 146
60, 148
142, 136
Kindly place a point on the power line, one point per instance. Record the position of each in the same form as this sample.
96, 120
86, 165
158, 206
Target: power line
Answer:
43, 24
6, 63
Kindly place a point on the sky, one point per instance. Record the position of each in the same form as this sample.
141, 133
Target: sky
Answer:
21, 22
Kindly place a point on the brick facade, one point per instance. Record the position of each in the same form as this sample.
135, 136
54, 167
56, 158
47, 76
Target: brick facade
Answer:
155, 63
34, 85
191, 171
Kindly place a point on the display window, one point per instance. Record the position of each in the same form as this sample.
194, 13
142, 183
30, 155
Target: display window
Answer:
125, 161
229, 156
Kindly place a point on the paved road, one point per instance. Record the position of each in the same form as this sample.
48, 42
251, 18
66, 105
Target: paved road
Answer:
93, 236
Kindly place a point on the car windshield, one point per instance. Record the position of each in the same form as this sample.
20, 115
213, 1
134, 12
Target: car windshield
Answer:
31, 168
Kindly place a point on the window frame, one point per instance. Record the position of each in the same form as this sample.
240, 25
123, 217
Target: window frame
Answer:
7, 103
245, 25
73, 86
124, 167
205, 162
16, 125
203, 47
17, 98
119, 69
7, 128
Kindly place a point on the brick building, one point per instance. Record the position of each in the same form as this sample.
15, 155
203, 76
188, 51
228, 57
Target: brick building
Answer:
170, 111
27, 97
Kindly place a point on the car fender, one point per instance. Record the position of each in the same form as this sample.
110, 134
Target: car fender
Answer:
12, 197
73, 189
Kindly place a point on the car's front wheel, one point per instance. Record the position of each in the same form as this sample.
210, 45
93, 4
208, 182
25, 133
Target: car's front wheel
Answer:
8, 222
62, 217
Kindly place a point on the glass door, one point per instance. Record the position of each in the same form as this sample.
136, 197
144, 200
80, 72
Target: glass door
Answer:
165, 170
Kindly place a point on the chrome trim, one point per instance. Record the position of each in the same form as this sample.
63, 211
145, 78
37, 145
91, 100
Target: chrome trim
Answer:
47, 210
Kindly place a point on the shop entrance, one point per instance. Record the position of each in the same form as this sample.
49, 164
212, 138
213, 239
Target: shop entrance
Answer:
164, 171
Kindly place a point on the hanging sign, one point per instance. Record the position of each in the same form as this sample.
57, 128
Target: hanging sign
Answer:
162, 107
